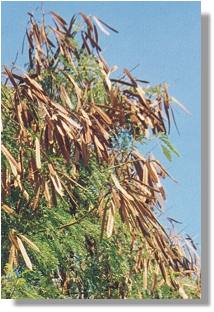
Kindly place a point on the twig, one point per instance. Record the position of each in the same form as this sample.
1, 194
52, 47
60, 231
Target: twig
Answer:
77, 221
72, 180
123, 164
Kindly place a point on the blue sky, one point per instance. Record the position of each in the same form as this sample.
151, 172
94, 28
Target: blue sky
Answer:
164, 39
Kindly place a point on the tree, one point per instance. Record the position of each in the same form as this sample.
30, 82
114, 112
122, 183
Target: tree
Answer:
79, 199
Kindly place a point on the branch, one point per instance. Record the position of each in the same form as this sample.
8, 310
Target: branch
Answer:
77, 221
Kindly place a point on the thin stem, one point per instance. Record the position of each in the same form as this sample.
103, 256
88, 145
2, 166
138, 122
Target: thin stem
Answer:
77, 221
123, 164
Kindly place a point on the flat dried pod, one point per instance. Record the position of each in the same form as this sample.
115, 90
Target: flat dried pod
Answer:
87, 134
145, 273
38, 155
87, 21
66, 98
101, 205
163, 170
72, 21
180, 105
30, 41
9, 210
60, 138
12, 238
32, 170
164, 272
101, 129
98, 144
123, 213
58, 19
152, 172
85, 154
22, 189
67, 130
12, 256
33, 83
92, 41
103, 64
10, 76
145, 174
35, 202
15, 167
138, 155
85, 117
55, 180
99, 22
43, 34
154, 281
110, 220
116, 198
61, 37
103, 115
28, 242
142, 227
95, 33
78, 91
104, 217
85, 44
71, 121
47, 194
108, 82
24, 254
182, 293
120, 188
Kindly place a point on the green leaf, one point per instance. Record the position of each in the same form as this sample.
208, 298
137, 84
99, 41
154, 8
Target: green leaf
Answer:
166, 141
166, 152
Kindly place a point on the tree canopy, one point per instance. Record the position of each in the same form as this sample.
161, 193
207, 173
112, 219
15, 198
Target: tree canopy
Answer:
79, 200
